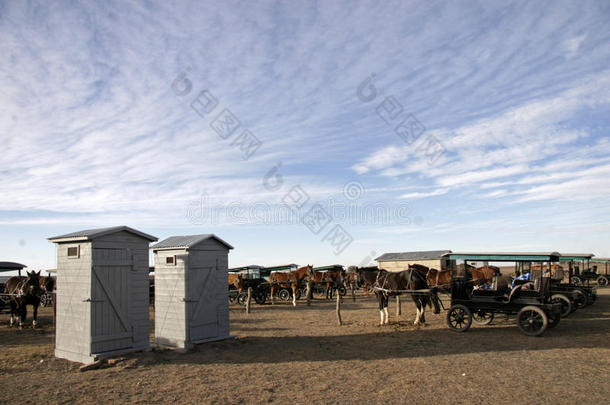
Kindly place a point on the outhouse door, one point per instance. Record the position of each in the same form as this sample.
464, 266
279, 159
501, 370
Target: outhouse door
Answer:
111, 328
202, 303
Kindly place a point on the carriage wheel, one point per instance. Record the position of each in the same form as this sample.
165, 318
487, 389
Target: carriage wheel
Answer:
482, 317
602, 281
532, 320
44, 300
342, 291
242, 298
566, 305
554, 320
576, 280
459, 318
284, 295
260, 298
581, 300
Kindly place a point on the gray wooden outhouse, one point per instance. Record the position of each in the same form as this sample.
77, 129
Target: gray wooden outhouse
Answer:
191, 293
102, 293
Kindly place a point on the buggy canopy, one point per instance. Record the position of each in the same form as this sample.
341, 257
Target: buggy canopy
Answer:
505, 256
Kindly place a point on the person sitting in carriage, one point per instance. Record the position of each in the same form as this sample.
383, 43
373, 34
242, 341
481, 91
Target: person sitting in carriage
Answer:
520, 279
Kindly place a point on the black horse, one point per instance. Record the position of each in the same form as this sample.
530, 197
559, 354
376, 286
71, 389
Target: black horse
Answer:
390, 284
22, 293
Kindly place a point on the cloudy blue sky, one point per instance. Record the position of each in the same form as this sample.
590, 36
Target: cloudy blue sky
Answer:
456, 125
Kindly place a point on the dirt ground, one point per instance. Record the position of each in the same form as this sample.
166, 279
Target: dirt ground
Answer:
299, 355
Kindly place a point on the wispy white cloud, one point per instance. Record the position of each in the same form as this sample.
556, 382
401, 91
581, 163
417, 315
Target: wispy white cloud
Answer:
92, 132
415, 195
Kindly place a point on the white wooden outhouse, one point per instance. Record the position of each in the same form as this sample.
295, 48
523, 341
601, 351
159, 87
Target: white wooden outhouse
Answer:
102, 293
191, 293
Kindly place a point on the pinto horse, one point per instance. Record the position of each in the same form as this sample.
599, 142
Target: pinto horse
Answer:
391, 284
295, 278
22, 293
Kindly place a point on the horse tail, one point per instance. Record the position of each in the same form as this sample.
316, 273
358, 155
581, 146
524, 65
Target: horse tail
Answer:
434, 300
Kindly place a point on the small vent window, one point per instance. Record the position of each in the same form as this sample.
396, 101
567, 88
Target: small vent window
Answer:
171, 260
73, 251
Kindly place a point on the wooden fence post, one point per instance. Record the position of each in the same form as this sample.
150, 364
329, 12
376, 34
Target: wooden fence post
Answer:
398, 306
308, 293
248, 302
339, 322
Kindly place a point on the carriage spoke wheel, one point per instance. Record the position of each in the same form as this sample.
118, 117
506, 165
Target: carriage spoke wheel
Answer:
284, 295
482, 317
581, 300
459, 318
602, 281
342, 291
260, 298
532, 321
554, 320
44, 300
242, 298
566, 305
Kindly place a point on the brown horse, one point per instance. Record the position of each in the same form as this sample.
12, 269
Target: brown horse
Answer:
22, 293
331, 279
557, 272
236, 281
294, 278
392, 283
350, 279
484, 274
440, 279
47, 284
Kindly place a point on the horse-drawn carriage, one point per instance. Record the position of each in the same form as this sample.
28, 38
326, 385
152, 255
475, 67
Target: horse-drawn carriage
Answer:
601, 268
257, 278
531, 302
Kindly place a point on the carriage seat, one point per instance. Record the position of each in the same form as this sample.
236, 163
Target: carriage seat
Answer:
498, 288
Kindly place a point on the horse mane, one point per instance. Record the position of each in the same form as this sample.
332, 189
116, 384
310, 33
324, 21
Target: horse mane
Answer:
369, 268
419, 267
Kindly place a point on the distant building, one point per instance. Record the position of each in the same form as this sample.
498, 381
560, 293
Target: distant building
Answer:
401, 260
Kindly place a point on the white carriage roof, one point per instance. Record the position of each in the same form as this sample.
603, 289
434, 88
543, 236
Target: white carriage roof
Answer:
504, 256
187, 241
422, 255
90, 234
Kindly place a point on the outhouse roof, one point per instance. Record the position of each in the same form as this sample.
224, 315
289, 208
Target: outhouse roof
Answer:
90, 234
187, 241
422, 255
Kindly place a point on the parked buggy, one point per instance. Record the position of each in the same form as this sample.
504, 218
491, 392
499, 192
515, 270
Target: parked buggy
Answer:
531, 302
